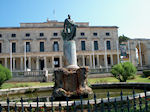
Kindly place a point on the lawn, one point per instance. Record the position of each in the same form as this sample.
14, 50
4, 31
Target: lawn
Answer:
24, 84
138, 78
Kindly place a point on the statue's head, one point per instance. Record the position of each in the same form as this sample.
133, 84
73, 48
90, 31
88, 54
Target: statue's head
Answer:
69, 16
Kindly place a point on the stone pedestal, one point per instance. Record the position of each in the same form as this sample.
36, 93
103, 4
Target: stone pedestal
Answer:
70, 54
71, 83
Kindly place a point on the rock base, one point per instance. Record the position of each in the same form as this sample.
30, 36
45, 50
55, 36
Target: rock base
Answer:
71, 82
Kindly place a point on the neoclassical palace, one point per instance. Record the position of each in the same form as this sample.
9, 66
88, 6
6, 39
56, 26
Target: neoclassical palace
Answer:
38, 46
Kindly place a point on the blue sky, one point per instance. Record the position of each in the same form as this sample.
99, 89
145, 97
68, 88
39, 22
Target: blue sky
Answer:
131, 16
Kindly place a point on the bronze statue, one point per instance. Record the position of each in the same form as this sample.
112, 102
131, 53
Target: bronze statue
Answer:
69, 31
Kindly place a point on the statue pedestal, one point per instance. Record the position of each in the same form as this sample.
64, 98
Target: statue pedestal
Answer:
70, 54
71, 83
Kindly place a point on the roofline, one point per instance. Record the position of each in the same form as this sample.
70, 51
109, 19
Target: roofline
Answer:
140, 38
59, 27
50, 22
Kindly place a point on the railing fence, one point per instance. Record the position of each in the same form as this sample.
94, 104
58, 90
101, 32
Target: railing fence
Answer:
132, 103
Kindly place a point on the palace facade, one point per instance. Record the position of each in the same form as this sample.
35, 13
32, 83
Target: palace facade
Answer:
38, 46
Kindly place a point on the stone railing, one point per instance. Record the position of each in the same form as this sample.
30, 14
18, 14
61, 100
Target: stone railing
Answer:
29, 73
99, 70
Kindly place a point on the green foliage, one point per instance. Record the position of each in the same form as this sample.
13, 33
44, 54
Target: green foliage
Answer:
146, 73
123, 71
5, 74
123, 39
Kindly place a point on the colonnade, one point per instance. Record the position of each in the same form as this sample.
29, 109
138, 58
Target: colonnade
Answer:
95, 59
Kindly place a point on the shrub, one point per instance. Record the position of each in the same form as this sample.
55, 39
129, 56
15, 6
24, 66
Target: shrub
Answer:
5, 74
146, 73
123, 71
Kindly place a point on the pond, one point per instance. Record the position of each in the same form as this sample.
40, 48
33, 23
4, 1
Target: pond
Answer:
46, 96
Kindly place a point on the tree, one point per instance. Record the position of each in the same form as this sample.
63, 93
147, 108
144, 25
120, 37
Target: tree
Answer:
123, 39
5, 74
123, 71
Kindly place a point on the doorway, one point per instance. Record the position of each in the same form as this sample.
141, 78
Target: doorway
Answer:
41, 64
56, 62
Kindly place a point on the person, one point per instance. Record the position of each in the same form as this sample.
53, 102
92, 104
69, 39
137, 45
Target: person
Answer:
69, 28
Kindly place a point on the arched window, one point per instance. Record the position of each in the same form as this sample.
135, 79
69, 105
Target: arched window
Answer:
55, 46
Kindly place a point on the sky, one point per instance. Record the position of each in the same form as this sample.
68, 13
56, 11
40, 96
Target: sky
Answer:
131, 16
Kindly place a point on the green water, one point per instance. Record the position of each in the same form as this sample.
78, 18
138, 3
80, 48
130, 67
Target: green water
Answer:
45, 96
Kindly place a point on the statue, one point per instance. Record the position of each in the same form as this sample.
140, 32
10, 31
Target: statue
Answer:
70, 81
69, 31
69, 46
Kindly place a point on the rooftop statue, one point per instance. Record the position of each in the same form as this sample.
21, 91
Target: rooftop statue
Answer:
69, 31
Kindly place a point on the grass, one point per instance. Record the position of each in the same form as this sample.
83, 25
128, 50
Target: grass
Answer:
138, 78
24, 84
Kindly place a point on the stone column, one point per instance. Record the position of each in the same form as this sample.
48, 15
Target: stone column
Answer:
98, 60
92, 44
83, 60
140, 53
117, 52
45, 63
14, 64
21, 63
29, 62
129, 51
105, 57
60, 61
37, 63
111, 57
52, 61
10, 50
6, 62
25, 68
91, 61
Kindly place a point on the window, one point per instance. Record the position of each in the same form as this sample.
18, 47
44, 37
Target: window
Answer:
109, 60
41, 46
83, 45
28, 47
0, 47
13, 47
108, 45
82, 34
41, 34
13, 35
55, 46
0, 35
107, 34
95, 45
55, 34
27, 34
94, 34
